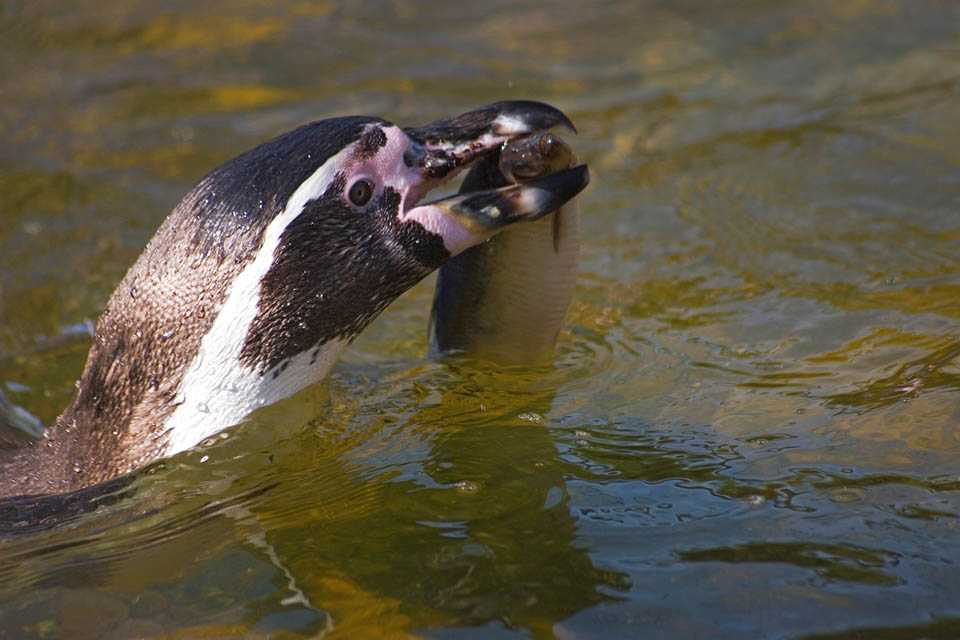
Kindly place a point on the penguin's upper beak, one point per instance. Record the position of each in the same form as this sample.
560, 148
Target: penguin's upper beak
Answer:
441, 149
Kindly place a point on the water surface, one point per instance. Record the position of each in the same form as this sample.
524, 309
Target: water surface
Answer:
751, 426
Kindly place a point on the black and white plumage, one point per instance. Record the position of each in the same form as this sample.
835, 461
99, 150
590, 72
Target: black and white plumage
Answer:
264, 272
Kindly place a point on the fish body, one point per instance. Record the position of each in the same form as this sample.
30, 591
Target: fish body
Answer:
506, 299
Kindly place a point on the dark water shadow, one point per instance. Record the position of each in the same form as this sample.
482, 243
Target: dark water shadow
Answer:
471, 522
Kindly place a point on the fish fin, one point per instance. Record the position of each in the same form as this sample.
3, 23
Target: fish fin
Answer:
557, 229
17, 425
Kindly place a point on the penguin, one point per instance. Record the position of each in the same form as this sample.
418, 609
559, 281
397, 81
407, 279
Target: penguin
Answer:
265, 271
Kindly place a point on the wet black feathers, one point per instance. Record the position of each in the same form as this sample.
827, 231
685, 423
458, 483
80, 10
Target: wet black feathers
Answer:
236, 201
335, 269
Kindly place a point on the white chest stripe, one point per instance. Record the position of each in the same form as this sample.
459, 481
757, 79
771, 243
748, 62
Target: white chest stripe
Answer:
217, 391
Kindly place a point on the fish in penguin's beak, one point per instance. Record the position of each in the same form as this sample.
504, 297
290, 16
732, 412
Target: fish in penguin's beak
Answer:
441, 149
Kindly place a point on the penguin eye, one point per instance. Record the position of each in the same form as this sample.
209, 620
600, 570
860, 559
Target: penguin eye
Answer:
360, 192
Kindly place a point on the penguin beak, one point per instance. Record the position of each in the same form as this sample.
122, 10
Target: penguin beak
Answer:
441, 149
485, 212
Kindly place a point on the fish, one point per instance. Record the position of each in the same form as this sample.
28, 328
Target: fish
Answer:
506, 299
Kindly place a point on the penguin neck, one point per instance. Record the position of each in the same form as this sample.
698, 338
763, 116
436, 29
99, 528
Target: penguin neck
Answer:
164, 373
145, 341
165, 370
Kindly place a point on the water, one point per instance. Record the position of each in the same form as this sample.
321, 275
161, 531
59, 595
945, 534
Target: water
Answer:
750, 428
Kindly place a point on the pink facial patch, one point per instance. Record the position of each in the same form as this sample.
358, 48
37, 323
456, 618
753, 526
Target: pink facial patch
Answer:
387, 169
456, 237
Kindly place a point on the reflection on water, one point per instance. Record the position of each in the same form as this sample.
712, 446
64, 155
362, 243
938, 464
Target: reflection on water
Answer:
750, 428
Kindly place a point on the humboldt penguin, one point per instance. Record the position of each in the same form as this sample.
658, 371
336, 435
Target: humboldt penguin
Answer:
265, 271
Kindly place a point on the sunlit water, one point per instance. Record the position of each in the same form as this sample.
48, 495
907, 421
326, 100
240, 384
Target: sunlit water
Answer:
752, 426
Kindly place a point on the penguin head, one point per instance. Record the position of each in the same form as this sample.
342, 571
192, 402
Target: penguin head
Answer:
376, 180
355, 234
